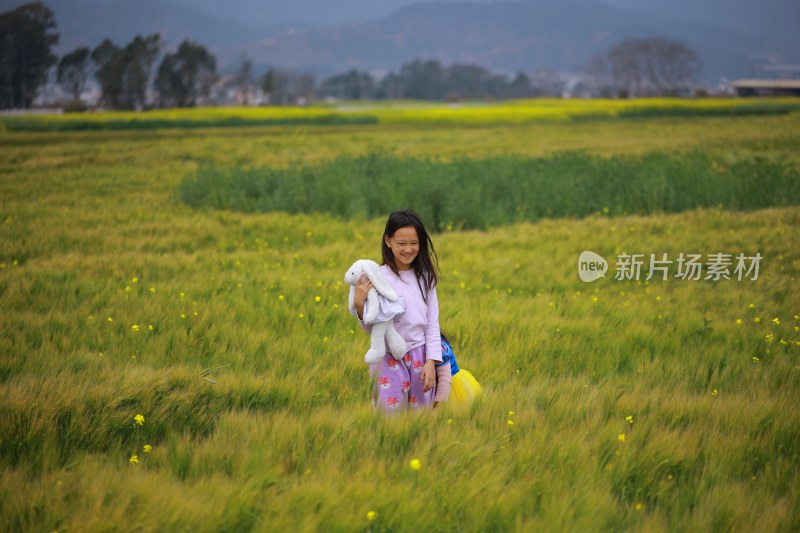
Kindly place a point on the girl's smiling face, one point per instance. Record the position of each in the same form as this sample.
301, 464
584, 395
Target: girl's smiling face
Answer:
404, 245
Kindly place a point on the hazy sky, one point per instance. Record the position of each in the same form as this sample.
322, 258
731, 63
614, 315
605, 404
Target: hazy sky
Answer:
751, 16
738, 14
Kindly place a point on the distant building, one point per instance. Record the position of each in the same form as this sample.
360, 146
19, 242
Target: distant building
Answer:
767, 87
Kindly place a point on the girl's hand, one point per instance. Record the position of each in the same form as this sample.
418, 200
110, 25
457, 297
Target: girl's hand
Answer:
363, 285
428, 375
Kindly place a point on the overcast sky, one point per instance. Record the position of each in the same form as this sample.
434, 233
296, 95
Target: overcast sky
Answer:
737, 14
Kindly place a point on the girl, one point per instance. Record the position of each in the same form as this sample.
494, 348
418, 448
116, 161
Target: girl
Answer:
409, 263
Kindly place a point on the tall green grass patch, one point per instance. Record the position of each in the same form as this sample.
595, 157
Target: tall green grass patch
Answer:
468, 194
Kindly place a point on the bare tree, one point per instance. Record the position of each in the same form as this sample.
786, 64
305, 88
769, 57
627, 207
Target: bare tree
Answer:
596, 78
654, 66
672, 66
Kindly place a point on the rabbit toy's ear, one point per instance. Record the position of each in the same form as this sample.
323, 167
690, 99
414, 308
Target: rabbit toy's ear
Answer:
378, 281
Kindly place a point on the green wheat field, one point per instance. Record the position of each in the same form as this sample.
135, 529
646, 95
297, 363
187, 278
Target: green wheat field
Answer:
176, 352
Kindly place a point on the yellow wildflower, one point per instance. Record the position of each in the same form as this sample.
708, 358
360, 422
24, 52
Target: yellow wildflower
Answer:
139, 420
621, 437
147, 448
629, 419
135, 327
371, 515
415, 465
776, 321
134, 460
317, 299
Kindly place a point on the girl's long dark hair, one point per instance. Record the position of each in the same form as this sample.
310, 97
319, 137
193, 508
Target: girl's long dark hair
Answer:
426, 263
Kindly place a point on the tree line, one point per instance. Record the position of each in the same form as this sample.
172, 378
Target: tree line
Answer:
128, 78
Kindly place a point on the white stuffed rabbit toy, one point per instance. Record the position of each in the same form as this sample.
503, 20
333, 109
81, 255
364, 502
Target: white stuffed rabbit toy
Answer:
382, 305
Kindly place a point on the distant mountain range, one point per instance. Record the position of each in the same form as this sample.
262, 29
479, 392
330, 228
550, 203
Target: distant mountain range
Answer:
559, 34
501, 35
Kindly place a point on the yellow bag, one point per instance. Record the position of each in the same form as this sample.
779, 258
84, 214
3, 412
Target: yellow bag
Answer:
464, 390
